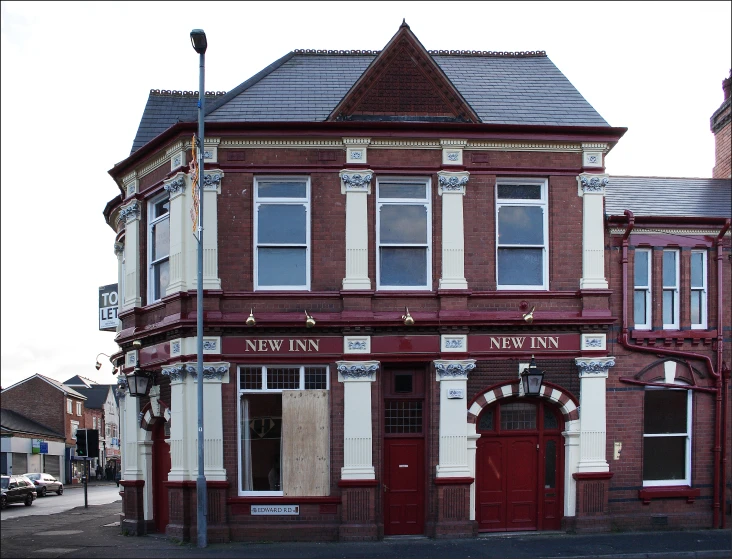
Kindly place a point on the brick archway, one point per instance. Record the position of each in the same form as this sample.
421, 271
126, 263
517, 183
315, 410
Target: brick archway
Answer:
148, 416
566, 402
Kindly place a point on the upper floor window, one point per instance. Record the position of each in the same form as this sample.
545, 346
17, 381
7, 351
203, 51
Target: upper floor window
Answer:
698, 289
521, 233
671, 289
666, 437
403, 233
159, 247
74, 428
69, 404
642, 289
282, 233
78, 408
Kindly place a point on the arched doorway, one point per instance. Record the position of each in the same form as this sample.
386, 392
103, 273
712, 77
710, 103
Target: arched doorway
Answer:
520, 466
160, 470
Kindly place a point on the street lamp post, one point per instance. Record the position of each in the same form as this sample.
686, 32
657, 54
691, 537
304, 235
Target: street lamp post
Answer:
198, 40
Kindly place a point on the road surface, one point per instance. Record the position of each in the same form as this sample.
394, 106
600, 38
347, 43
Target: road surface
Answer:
53, 504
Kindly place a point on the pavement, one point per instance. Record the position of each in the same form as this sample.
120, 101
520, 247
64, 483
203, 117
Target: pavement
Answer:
94, 532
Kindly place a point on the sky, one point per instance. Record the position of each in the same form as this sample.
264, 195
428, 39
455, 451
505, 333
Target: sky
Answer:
76, 77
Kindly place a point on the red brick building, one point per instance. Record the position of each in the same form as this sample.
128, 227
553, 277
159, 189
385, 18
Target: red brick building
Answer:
391, 237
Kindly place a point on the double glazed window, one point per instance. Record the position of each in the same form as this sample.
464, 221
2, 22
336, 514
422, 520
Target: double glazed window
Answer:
159, 247
521, 236
282, 233
283, 430
403, 234
642, 289
666, 437
671, 289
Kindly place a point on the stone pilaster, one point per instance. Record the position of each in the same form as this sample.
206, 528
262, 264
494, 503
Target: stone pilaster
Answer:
592, 189
356, 185
178, 187
131, 297
452, 187
357, 377
453, 446
593, 422
211, 189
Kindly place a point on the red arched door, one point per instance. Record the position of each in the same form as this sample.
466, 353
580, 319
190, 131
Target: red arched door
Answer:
160, 470
519, 466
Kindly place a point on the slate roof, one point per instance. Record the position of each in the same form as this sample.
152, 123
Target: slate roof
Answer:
96, 395
663, 196
61, 386
16, 423
305, 86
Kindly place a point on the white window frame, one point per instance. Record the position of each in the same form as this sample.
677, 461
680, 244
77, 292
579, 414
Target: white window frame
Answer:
544, 204
78, 409
258, 202
687, 460
151, 221
647, 288
265, 390
69, 406
74, 429
427, 202
702, 325
671, 288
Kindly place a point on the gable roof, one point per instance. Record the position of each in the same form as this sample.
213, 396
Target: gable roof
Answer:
79, 381
669, 197
13, 422
516, 88
56, 384
404, 82
96, 395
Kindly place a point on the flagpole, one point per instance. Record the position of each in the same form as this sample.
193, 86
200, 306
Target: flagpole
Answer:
198, 39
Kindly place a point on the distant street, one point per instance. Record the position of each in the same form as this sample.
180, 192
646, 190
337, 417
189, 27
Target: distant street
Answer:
71, 498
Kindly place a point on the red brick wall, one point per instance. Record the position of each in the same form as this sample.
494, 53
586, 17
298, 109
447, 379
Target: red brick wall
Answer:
24, 399
723, 152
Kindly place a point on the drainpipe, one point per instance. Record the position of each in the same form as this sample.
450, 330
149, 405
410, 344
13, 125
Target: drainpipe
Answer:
715, 373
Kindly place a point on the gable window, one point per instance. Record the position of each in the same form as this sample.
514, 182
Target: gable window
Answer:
666, 437
698, 289
642, 289
403, 233
671, 289
69, 404
283, 430
282, 233
159, 247
521, 232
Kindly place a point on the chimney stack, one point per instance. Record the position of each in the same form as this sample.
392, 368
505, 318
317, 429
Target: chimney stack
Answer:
720, 125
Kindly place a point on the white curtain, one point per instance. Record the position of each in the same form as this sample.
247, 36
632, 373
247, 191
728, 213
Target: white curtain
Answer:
246, 447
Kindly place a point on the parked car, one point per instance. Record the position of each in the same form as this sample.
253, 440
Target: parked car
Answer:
17, 489
45, 483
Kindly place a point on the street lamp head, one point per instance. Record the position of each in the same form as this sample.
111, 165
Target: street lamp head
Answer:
198, 40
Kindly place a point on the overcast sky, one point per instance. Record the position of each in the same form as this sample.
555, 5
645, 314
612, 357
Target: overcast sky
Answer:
76, 76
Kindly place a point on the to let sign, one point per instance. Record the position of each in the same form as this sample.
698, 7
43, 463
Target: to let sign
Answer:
108, 300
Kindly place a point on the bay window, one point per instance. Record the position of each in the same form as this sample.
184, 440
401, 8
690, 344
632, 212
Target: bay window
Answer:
642, 289
403, 234
282, 233
521, 233
698, 301
671, 289
158, 247
284, 444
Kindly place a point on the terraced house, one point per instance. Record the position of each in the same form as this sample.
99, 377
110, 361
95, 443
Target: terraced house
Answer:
392, 239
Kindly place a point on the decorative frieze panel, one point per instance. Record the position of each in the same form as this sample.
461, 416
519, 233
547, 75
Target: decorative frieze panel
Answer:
356, 149
452, 151
594, 367
357, 344
593, 342
453, 343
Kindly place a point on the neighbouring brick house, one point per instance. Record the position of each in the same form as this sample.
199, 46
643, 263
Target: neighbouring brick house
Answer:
391, 238
21, 448
55, 406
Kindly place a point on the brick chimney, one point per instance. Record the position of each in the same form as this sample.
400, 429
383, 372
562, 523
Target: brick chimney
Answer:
720, 125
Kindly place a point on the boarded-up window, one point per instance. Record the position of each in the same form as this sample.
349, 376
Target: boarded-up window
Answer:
305, 443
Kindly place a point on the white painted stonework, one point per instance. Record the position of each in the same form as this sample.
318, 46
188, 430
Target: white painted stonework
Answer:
452, 151
592, 189
357, 377
356, 150
593, 418
131, 214
356, 185
452, 186
453, 445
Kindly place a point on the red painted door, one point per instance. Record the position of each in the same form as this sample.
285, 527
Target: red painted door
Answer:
507, 488
161, 468
403, 486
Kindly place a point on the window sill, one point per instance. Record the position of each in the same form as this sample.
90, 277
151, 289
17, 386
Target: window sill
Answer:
648, 493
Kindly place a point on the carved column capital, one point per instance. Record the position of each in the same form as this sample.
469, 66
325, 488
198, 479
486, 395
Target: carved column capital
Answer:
212, 180
453, 370
176, 185
356, 181
119, 248
357, 370
452, 182
594, 367
130, 212
592, 183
